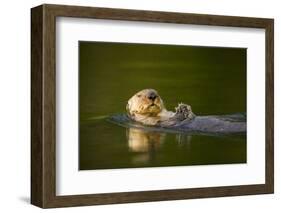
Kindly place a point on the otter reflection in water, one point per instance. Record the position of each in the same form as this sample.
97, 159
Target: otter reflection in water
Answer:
146, 144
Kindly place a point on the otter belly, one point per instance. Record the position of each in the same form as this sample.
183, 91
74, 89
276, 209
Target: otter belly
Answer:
220, 124
213, 124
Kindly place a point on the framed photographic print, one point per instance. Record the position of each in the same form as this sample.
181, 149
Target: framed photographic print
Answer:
136, 106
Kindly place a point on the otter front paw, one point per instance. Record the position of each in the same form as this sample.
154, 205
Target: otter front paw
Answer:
184, 111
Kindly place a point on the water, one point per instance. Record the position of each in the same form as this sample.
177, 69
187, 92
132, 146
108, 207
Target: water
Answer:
211, 80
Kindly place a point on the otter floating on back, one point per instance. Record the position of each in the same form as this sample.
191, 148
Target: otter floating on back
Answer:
146, 107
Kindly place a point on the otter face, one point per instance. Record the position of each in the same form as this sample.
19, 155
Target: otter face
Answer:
145, 102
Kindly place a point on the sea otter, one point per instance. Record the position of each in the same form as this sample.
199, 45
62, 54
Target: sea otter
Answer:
146, 107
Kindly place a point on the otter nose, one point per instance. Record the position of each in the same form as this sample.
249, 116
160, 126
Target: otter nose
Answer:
152, 96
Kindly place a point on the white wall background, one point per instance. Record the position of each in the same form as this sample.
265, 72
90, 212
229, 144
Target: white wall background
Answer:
15, 105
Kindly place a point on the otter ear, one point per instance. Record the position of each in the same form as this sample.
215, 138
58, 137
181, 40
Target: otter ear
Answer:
128, 108
162, 103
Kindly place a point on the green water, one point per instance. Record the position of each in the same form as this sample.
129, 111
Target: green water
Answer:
211, 80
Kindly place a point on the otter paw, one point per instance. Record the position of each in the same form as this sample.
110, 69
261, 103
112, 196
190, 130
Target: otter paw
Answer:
185, 111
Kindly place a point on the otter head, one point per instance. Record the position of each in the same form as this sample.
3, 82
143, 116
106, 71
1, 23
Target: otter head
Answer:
146, 102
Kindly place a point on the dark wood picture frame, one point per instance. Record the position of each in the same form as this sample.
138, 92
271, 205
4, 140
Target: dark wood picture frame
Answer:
43, 105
